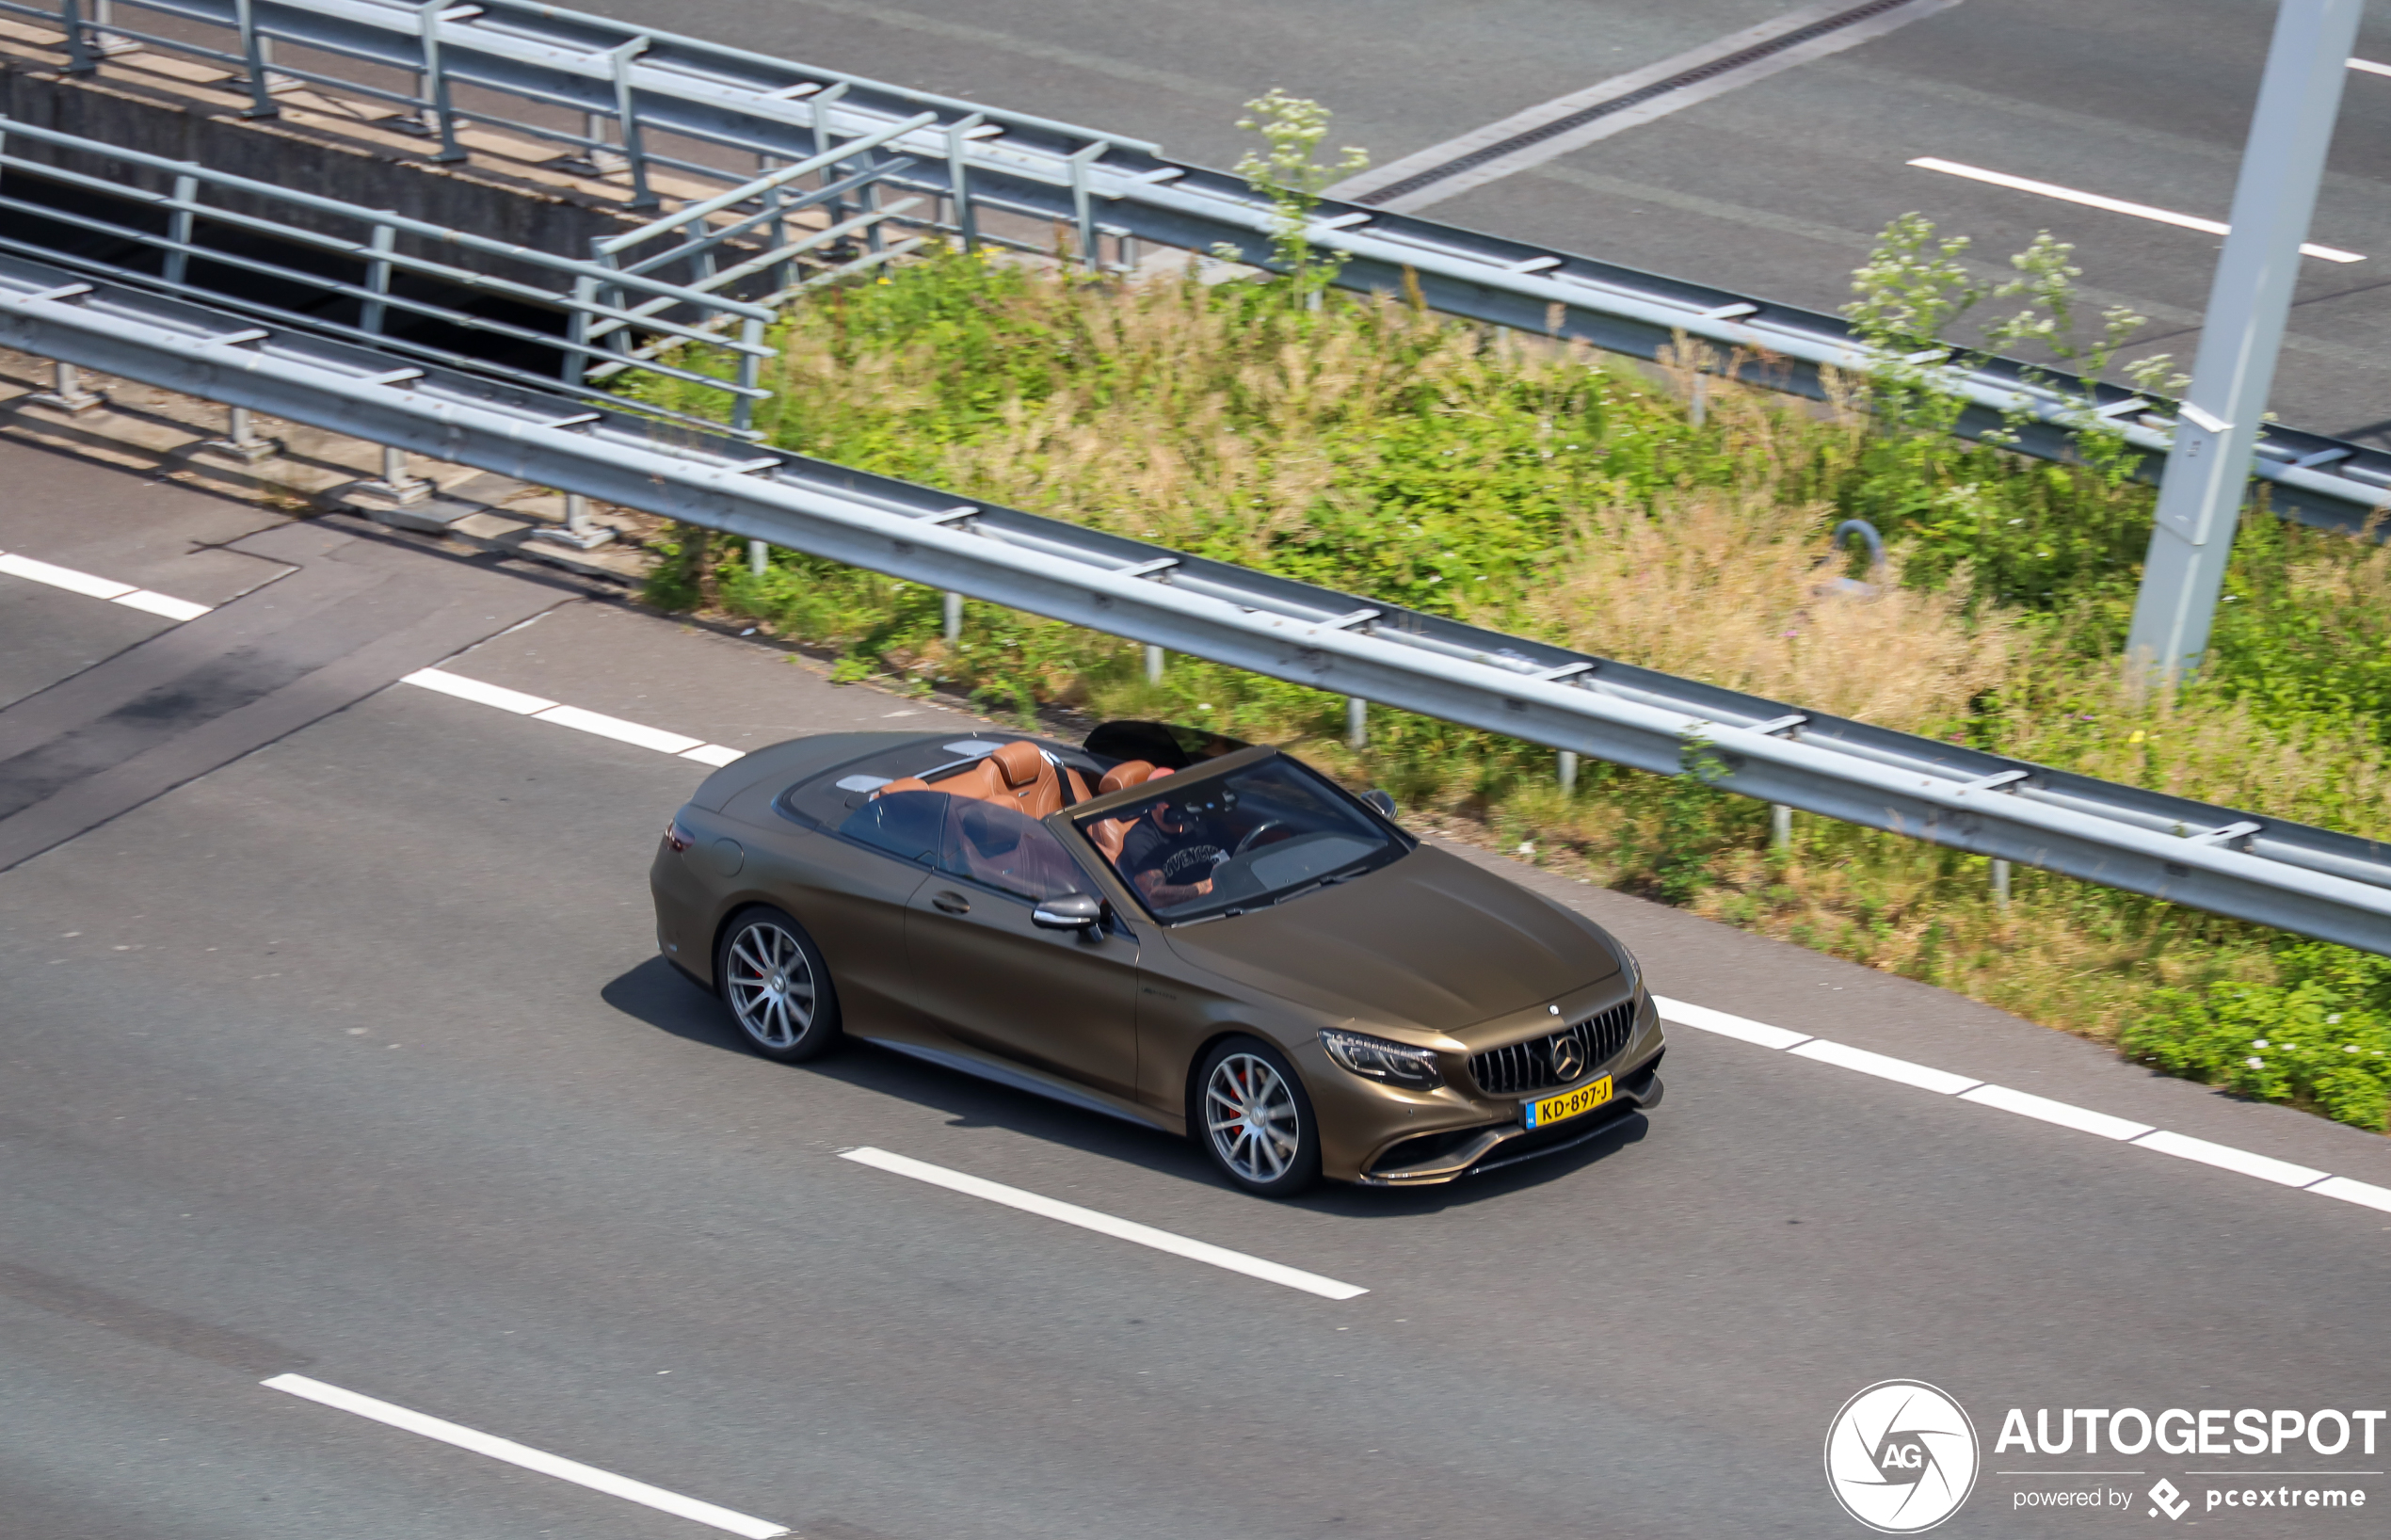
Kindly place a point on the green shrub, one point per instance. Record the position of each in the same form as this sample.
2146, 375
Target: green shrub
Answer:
2320, 1038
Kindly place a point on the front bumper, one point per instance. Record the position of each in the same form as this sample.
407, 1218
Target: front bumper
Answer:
1429, 1160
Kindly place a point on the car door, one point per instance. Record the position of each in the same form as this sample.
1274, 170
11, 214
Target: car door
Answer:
1063, 1001
850, 889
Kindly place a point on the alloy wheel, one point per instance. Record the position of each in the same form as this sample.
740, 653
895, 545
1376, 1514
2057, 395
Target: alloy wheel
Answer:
771, 986
1251, 1115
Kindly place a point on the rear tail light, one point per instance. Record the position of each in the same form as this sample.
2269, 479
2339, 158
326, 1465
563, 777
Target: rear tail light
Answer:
677, 837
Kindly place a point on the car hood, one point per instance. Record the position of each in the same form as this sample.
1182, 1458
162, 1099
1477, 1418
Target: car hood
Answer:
1431, 941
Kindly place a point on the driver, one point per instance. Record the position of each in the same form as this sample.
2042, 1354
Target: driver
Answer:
1171, 853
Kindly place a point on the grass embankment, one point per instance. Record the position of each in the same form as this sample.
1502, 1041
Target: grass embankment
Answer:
1549, 491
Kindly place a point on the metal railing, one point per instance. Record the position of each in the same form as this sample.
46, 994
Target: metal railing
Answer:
2308, 880
613, 89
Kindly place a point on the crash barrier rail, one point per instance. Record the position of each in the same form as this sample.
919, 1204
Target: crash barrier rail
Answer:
2308, 880
630, 89
621, 309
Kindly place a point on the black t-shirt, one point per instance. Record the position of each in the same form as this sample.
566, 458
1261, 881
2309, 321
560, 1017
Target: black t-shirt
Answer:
1183, 858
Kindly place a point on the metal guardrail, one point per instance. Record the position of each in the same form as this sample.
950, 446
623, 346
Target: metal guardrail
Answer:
646, 87
2302, 879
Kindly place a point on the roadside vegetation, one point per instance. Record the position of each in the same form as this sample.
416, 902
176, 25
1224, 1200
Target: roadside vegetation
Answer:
1543, 489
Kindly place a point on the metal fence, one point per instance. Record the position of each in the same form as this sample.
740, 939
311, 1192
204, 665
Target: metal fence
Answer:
236, 240
2303, 879
618, 94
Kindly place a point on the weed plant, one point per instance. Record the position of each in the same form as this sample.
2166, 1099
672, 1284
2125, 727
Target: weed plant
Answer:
1536, 487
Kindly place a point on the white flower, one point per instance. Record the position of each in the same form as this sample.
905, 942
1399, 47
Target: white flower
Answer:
2257, 1042
2333, 1020
2348, 1048
2255, 1062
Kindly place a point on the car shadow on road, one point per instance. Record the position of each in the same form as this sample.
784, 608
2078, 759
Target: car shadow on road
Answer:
656, 994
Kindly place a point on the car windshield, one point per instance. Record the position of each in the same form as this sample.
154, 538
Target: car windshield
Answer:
1241, 840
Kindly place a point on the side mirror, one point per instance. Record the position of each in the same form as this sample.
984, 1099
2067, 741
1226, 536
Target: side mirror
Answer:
1380, 800
1072, 911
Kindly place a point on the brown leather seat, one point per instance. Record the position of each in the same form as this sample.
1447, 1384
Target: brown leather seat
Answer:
1108, 834
1016, 777
1127, 773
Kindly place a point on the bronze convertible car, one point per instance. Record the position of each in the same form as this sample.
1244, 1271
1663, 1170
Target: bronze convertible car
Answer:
1199, 935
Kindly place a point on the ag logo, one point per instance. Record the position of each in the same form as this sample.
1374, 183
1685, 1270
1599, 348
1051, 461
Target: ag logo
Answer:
1900, 1456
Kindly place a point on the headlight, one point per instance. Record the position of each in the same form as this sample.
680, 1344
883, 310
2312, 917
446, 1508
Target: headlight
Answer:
1374, 1058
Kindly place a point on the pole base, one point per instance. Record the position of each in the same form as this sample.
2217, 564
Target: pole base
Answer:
580, 539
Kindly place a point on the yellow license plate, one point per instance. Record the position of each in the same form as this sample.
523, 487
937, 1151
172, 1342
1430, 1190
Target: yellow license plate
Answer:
1585, 1099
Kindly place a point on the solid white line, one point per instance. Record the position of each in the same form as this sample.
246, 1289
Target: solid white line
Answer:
2264, 1167
477, 692
619, 729
714, 754
1706, 1019
2114, 205
1103, 1224
2354, 1192
1884, 1066
2065, 1113
2370, 67
530, 1459
173, 609
63, 577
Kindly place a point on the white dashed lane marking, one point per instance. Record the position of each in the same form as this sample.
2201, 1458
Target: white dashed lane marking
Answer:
526, 1457
540, 709
2114, 205
1104, 1224
173, 609
2025, 1104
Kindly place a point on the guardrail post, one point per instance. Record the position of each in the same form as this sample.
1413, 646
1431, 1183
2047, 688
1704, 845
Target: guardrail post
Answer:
443, 120
579, 530
635, 150
1154, 659
180, 227
2208, 467
1083, 206
378, 278
742, 410
958, 176
577, 328
1356, 722
394, 486
1780, 827
241, 441
104, 43
66, 393
79, 55
256, 53
1568, 770
2001, 883
952, 618
759, 558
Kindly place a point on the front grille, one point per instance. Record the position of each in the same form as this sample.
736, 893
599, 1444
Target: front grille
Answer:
1517, 1068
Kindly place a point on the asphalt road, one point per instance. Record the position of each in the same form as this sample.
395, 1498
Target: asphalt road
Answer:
351, 1057
1776, 189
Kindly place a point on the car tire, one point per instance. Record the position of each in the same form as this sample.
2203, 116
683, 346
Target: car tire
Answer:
1250, 1112
770, 973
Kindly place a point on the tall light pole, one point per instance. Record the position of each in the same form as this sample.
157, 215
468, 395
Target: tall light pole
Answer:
2208, 468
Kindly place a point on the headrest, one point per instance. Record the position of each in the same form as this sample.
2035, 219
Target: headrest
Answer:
908, 783
1018, 762
1127, 773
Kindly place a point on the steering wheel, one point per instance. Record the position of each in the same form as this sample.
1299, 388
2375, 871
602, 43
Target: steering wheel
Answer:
1254, 834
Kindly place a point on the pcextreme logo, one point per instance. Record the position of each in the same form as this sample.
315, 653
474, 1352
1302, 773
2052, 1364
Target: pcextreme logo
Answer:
1900, 1456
